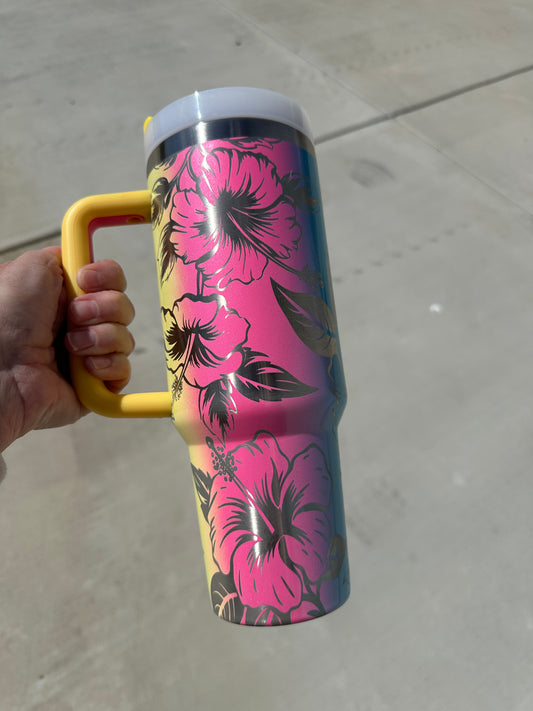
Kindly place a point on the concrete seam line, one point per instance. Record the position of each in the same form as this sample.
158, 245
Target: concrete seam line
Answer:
412, 108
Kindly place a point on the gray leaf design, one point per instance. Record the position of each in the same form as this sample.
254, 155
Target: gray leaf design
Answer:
311, 318
217, 407
259, 379
202, 484
226, 602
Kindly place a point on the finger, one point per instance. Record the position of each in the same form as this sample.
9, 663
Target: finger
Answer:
30, 286
101, 276
100, 339
116, 385
101, 307
114, 369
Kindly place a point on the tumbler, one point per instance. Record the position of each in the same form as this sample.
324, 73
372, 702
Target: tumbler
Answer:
255, 379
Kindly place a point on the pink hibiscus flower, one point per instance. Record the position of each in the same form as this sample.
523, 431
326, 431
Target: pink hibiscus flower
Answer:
268, 522
236, 219
204, 338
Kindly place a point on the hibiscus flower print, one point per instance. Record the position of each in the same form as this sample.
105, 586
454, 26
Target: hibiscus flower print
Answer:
269, 525
203, 339
235, 220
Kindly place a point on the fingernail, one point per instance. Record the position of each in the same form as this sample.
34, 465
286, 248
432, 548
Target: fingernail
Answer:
84, 310
90, 279
80, 340
99, 362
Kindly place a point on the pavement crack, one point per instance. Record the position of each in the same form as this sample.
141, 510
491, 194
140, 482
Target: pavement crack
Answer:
419, 106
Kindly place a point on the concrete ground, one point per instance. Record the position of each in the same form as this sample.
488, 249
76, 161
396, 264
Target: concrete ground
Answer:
423, 116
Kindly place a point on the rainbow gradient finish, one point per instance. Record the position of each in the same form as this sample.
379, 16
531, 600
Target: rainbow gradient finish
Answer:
254, 369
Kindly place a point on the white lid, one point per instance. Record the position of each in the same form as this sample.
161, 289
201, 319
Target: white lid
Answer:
227, 102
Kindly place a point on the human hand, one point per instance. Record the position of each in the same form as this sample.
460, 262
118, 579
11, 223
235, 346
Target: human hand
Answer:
33, 307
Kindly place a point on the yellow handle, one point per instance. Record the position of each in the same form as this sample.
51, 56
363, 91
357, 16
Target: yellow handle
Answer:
79, 223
